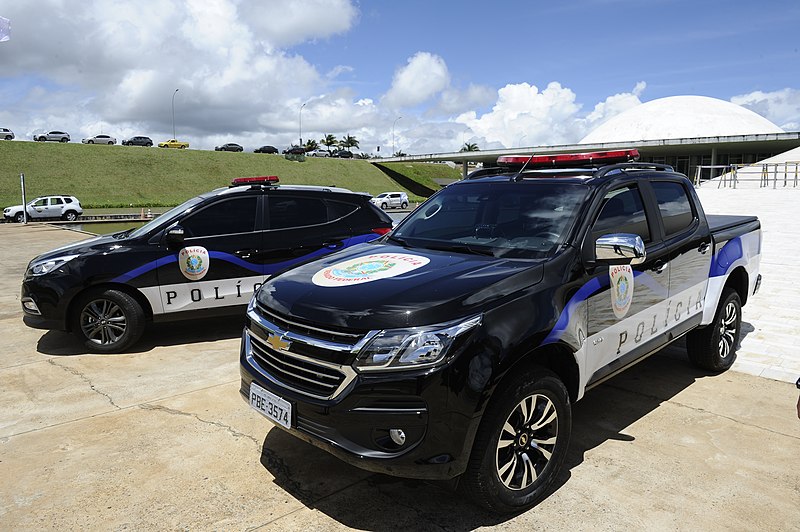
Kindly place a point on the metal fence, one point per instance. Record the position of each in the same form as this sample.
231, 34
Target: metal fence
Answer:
783, 174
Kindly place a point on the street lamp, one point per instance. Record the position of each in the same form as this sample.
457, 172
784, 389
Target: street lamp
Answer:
300, 120
173, 114
393, 124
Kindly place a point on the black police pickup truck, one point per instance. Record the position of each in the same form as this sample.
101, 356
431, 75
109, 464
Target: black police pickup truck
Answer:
203, 258
454, 346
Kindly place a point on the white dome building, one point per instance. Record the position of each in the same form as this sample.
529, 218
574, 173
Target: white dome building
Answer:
679, 117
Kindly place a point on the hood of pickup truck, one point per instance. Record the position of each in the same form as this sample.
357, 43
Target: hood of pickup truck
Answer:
379, 286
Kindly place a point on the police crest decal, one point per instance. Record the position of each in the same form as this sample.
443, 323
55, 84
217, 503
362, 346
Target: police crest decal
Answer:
621, 289
194, 262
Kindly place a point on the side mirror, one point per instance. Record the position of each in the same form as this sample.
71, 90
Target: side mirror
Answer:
620, 248
175, 236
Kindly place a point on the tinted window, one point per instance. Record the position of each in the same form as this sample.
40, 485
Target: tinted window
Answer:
236, 215
340, 209
676, 211
622, 212
296, 211
41, 202
56, 201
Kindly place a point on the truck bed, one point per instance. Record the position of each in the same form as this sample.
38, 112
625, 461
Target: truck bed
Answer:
725, 226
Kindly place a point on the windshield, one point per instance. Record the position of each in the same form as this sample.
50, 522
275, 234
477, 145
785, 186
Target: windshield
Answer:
504, 219
156, 222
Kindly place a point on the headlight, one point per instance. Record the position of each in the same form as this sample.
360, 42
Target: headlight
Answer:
41, 267
417, 347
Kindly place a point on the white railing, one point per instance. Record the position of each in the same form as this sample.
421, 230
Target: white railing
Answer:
783, 174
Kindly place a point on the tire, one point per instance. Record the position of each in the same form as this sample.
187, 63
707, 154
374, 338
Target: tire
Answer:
148, 145
87, 142
384, 206
509, 471
64, 140
8, 137
182, 147
70, 216
19, 217
41, 139
108, 321
404, 205
713, 347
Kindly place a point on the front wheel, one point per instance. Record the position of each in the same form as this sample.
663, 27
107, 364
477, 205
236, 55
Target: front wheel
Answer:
404, 205
19, 218
384, 206
521, 443
87, 142
713, 347
64, 140
70, 216
108, 321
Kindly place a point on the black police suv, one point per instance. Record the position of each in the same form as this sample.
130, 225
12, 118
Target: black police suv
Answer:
453, 347
203, 258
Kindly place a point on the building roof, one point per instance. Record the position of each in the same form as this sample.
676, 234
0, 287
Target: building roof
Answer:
681, 117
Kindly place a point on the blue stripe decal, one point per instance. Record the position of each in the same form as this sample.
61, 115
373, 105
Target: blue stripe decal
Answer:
587, 291
729, 254
263, 269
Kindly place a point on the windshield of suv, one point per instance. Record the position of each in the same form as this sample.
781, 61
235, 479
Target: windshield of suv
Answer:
156, 222
504, 219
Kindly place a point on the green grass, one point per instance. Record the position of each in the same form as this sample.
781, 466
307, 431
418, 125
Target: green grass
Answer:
122, 176
425, 173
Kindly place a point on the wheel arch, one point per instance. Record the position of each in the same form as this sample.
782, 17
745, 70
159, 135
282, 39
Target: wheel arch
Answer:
128, 289
739, 281
557, 358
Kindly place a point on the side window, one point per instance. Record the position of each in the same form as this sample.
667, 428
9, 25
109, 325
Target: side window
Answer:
231, 216
296, 211
340, 209
67, 200
622, 212
41, 203
676, 210
56, 201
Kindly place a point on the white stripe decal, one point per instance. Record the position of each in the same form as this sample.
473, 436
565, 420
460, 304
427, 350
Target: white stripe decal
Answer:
200, 295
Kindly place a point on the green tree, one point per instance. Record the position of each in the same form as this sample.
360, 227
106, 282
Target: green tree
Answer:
470, 146
399, 153
329, 141
311, 145
348, 141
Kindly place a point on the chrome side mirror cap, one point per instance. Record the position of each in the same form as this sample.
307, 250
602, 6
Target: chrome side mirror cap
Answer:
620, 248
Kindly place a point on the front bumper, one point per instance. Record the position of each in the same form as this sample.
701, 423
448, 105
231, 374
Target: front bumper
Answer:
355, 425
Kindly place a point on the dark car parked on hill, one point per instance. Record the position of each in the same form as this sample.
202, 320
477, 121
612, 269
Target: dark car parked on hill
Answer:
342, 154
138, 141
230, 146
266, 149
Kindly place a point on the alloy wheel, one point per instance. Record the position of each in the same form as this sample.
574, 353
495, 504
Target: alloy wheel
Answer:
103, 322
727, 330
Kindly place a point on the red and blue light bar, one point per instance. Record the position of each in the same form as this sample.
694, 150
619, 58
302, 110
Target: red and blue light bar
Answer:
566, 160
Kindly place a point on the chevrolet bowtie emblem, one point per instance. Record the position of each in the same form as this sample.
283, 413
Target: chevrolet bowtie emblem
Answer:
278, 343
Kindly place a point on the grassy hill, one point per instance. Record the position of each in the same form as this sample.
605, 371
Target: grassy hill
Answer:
121, 176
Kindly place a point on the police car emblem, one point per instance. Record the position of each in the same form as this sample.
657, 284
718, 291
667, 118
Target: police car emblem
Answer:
621, 289
194, 262
368, 268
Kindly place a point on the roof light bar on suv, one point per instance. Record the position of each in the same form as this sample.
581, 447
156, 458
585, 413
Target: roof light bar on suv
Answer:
566, 160
260, 180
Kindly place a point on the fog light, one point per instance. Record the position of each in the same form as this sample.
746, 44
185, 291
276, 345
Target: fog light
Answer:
29, 305
398, 436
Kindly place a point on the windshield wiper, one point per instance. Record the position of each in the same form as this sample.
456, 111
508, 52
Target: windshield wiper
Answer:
403, 242
459, 247
123, 234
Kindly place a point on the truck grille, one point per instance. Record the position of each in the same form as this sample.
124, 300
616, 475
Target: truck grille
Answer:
303, 358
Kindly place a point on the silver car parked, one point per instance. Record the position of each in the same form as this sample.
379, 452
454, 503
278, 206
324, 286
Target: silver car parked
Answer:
55, 136
6, 134
100, 139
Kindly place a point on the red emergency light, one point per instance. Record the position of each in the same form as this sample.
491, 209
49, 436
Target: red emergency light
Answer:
565, 160
260, 180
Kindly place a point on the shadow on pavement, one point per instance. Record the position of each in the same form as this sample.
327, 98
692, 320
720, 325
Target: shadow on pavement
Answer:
156, 335
368, 501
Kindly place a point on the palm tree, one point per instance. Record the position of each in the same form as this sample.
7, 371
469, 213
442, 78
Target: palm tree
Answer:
311, 145
348, 141
470, 146
399, 153
329, 141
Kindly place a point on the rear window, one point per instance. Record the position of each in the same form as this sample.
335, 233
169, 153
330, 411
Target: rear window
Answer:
296, 211
673, 202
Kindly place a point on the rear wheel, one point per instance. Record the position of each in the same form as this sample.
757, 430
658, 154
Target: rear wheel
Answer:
70, 216
521, 443
8, 137
713, 347
64, 139
108, 321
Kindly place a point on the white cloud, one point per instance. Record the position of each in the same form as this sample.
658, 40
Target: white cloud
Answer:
781, 107
614, 105
421, 79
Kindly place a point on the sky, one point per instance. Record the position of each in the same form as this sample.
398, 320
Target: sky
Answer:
417, 76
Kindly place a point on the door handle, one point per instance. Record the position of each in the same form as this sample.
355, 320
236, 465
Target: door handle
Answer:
660, 266
704, 247
244, 253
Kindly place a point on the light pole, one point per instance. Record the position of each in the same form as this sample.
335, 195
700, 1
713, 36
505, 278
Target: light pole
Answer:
393, 124
300, 120
173, 114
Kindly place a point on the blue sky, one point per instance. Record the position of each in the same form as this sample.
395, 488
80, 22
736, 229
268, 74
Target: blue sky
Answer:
495, 73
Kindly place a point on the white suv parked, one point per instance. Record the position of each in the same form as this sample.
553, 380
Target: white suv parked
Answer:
65, 207
57, 136
387, 200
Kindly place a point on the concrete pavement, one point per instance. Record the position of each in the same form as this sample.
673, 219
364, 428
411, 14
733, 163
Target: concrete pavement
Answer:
159, 439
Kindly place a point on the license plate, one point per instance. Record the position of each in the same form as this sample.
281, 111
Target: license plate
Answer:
273, 407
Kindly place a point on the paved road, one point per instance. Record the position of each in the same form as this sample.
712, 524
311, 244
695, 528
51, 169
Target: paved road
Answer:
159, 439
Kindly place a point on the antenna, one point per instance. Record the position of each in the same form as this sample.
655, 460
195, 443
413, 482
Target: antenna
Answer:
515, 177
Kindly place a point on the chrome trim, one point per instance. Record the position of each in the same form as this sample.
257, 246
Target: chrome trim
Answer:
314, 342
348, 372
35, 310
303, 326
